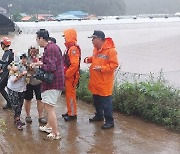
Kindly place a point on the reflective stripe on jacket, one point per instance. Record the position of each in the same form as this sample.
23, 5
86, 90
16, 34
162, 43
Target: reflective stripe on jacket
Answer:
101, 82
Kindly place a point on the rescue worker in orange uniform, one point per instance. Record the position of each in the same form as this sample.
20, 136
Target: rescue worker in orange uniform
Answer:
103, 64
72, 57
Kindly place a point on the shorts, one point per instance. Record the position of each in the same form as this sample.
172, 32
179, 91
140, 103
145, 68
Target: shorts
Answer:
33, 88
51, 96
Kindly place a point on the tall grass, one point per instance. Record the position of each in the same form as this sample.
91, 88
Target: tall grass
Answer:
152, 100
82, 91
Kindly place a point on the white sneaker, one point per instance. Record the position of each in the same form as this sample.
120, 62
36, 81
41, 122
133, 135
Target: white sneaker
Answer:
45, 129
53, 137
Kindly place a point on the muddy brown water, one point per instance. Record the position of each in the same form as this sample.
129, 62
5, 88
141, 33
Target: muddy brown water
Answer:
141, 48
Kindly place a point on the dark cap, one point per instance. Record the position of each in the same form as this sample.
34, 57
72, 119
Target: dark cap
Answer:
43, 33
98, 33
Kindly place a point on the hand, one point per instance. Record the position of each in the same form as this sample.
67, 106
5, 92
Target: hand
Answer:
97, 68
39, 63
24, 73
33, 65
85, 60
9, 68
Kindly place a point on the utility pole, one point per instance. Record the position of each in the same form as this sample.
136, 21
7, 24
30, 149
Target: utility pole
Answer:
9, 9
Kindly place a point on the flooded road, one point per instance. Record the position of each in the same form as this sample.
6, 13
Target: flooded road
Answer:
130, 135
141, 48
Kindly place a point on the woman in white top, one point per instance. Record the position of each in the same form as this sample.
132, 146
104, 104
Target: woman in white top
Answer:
16, 89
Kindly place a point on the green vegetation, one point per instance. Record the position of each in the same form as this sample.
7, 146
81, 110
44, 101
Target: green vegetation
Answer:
82, 90
98, 7
152, 100
2, 125
16, 17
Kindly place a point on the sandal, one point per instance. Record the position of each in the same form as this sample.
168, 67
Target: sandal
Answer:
28, 120
51, 136
42, 120
21, 122
45, 129
18, 125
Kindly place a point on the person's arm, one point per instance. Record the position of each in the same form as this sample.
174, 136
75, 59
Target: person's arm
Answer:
88, 60
3, 64
8, 57
11, 57
20, 76
3, 61
111, 65
113, 62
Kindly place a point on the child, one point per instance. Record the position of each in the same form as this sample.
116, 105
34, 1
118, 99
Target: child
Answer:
33, 87
16, 88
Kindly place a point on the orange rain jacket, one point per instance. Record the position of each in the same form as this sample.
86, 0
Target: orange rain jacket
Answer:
101, 82
72, 59
73, 53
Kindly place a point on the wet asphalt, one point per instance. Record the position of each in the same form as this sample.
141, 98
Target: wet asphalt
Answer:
130, 135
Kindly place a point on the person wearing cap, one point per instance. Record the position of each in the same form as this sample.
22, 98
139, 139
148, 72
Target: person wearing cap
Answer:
16, 87
72, 58
33, 85
103, 65
7, 58
52, 61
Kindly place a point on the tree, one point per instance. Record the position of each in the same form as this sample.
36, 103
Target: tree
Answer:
16, 17
98, 7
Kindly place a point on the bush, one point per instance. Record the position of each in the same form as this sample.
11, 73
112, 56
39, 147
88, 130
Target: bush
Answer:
151, 100
82, 91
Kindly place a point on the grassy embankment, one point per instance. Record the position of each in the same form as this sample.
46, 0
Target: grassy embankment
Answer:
152, 100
